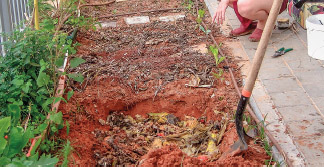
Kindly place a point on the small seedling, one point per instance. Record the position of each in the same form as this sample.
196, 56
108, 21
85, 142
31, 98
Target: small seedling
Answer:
65, 153
203, 30
265, 143
189, 5
218, 60
201, 14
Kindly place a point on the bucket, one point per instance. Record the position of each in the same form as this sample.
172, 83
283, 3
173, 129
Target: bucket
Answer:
315, 36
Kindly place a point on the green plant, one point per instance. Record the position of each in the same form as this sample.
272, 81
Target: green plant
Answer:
204, 30
265, 144
65, 152
201, 14
190, 5
28, 84
11, 147
218, 60
64, 13
261, 138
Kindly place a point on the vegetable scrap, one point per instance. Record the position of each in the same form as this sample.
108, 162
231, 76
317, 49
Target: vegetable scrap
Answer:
131, 138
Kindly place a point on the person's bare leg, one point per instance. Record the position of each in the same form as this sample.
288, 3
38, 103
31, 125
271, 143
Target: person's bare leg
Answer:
255, 10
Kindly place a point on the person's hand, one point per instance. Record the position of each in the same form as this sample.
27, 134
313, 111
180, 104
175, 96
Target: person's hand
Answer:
220, 12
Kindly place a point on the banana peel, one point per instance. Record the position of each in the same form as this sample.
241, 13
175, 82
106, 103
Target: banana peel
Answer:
212, 148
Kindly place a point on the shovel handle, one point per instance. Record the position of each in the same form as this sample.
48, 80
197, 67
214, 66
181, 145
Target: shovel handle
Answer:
260, 52
258, 57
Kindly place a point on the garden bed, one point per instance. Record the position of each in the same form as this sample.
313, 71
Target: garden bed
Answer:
133, 71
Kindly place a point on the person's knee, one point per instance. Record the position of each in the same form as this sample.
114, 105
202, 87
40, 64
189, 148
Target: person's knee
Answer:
246, 8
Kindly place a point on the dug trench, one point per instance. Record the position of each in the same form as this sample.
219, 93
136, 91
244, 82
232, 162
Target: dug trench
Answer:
150, 98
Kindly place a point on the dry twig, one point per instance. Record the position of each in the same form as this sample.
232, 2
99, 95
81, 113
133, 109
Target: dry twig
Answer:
146, 11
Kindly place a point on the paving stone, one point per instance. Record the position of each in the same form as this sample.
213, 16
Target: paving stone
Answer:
312, 148
137, 20
307, 76
301, 62
315, 89
302, 34
247, 44
274, 73
171, 18
273, 64
212, 6
279, 37
267, 60
309, 136
289, 99
298, 55
230, 14
107, 24
275, 124
299, 113
281, 85
250, 53
319, 101
307, 128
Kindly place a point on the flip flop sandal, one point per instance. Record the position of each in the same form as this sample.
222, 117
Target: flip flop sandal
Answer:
256, 35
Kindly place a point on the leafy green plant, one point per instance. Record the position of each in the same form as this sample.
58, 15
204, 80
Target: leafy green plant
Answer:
201, 14
28, 82
266, 145
29, 77
28, 74
190, 5
261, 138
65, 153
12, 140
204, 30
218, 60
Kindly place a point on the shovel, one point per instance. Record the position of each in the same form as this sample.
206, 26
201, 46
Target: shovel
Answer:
241, 144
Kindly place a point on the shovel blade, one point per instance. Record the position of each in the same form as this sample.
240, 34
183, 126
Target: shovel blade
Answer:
239, 122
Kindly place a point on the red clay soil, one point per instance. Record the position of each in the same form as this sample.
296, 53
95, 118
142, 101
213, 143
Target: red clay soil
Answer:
126, 7
144, 69
87, 134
